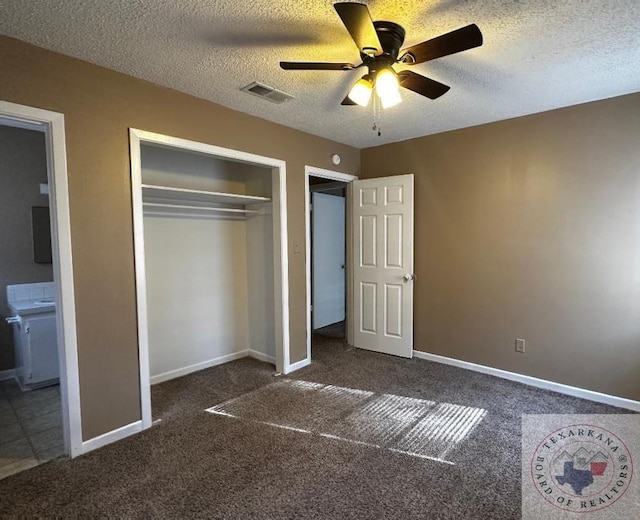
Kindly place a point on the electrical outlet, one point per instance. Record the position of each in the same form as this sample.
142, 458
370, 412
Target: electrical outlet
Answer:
520, 345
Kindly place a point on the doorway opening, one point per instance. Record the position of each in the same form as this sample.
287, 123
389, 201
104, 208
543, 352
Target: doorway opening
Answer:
328, 259
328, 253
39, 387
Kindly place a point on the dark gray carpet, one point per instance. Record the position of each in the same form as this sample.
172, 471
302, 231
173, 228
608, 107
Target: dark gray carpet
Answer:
336, 330
196, 464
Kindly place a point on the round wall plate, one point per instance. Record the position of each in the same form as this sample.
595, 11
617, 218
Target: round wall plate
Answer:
335, 159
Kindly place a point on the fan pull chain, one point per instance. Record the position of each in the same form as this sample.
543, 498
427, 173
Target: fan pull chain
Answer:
377, 116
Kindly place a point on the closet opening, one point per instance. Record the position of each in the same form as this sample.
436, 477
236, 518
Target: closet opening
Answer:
328, 254
210, 250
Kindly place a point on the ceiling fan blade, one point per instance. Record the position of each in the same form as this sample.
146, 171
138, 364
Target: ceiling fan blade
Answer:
426, 87
357, 20
347, 102
456, 41
297, 65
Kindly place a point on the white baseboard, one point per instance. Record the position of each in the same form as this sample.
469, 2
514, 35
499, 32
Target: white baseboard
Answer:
620, 402
112, 436
7, 374
297, 366
172, 374
261, 356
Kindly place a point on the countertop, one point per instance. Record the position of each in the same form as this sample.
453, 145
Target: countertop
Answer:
40, 306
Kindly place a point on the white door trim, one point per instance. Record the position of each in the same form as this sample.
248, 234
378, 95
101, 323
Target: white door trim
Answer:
334, 176
52, 124
280, 248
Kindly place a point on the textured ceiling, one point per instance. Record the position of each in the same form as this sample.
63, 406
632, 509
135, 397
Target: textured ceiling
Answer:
537, 55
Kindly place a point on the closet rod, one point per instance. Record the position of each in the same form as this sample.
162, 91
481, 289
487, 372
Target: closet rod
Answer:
206, 208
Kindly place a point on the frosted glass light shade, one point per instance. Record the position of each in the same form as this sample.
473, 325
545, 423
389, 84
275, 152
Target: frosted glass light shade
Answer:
390, 99
387, 88
361, 92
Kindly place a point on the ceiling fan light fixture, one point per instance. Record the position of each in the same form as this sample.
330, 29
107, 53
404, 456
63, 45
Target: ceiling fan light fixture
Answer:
361, 91
388, 88
380, 44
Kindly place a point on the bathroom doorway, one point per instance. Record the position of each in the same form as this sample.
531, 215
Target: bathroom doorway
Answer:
38, 361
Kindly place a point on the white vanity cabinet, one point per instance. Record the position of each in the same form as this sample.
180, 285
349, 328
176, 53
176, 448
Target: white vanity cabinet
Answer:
36, 350
34, 333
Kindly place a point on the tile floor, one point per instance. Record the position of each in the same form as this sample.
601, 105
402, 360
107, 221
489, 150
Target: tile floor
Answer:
30, 427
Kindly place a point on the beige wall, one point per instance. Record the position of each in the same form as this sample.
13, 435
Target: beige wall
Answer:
530, 228
99, 106
23, 166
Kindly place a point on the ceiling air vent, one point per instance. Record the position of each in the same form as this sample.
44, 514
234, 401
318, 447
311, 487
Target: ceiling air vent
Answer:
266, 92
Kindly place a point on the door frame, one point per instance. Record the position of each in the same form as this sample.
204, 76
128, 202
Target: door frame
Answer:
52, 124
313, 171
280, 247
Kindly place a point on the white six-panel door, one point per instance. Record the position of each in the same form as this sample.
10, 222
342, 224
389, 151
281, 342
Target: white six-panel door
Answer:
383, 264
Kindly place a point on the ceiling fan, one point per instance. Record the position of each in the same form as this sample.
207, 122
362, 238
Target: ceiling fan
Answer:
379, 45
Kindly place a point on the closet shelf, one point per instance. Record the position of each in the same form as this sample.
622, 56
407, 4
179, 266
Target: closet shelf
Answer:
200, 208
189, 195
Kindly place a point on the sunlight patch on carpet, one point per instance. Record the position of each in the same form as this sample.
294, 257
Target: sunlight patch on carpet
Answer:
415, 427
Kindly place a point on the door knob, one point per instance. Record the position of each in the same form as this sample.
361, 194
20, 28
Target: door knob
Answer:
409, 277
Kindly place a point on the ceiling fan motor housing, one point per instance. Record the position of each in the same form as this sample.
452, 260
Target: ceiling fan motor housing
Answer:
391, 36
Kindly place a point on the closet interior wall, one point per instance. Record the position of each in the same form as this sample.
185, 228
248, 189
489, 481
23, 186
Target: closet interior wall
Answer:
209, 272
